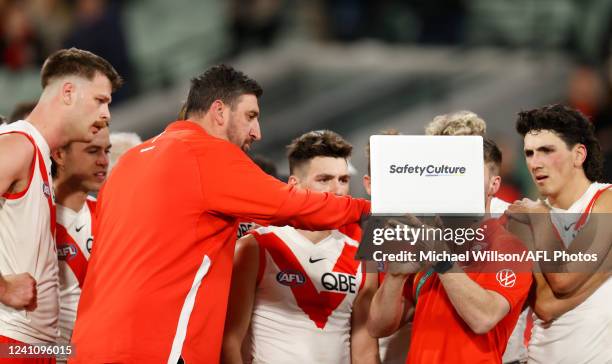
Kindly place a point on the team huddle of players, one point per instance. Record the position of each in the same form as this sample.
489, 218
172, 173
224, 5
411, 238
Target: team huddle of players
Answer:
167, 281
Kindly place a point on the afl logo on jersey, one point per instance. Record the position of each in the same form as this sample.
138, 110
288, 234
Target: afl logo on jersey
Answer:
290, 278
66, 251
46, 189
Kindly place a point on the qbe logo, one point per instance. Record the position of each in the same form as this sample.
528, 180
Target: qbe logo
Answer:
339, 282
290, 278
506, 278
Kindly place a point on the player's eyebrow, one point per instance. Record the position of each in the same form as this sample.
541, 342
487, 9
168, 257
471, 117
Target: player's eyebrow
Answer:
104, 98
541, 148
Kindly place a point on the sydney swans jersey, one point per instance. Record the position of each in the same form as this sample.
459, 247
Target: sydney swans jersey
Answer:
304, 298
74, 241
584, 334
158, 279
27, 222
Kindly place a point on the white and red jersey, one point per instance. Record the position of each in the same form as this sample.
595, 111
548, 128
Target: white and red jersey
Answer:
584, 334
74, 241
304, 297
498, 206
27, 225
393, 349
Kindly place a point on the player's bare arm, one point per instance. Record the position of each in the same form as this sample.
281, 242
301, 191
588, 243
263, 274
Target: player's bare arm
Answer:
241, 298
18, 291
364, 348
481, 309
550, 306
594, 238
389, 308
16, 157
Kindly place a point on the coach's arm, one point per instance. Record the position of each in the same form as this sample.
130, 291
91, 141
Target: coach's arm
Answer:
241, 299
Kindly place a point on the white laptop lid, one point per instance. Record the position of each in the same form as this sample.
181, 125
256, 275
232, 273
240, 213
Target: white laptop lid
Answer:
427, 174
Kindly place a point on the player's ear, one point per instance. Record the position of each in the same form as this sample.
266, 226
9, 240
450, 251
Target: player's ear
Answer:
59, 156
580, 154
68, 92
494, 185
293, 180
218, 112
367, 184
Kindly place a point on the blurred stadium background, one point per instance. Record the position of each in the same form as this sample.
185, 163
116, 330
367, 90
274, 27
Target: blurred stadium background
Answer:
354, 66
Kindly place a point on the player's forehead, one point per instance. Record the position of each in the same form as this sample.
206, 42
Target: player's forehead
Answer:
99, 84
539, 138
327, 166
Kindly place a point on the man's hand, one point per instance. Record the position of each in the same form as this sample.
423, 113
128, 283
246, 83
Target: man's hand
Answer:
521, 210
402, 269
18, 291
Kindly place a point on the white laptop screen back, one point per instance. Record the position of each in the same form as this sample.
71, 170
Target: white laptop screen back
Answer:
427, 174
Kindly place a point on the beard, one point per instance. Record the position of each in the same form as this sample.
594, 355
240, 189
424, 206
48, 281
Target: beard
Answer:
235, 137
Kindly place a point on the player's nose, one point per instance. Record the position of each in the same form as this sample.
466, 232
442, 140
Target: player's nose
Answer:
255, 132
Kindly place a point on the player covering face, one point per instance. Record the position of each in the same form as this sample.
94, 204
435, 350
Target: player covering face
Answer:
469, 315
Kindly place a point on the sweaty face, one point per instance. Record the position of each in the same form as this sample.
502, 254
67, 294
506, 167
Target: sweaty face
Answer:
326, 174
549, 160
90, 111
86, 164
243, 125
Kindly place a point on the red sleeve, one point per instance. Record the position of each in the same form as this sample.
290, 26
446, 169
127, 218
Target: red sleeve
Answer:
233, 185
511, 279
515, 294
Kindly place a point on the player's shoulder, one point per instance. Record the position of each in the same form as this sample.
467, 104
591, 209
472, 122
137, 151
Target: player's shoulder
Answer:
20, 149
247, 248
603, 204
17, 142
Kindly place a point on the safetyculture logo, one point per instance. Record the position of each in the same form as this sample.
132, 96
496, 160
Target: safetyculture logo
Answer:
429, 170
506, 278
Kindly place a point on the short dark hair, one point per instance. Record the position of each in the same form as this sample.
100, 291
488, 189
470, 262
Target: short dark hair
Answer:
571, 126
78, 62
219, 83
22, 110
320, 143
492, 154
